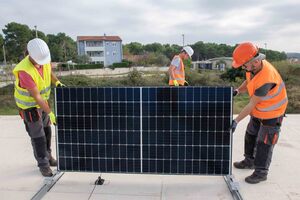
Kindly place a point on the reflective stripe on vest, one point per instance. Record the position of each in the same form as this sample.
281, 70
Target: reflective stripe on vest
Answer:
280, 88
26, 93
28, 104
273, 107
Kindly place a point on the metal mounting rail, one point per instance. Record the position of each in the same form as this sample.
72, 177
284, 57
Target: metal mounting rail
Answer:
233, 187
49, 182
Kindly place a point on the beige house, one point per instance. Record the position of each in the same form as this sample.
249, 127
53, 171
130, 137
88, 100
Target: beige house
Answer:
219, 63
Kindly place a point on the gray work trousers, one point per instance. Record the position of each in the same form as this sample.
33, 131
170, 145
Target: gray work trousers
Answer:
39, 129
260, 139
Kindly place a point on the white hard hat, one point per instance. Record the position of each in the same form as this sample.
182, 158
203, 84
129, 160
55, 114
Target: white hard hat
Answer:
39, 51
188, 50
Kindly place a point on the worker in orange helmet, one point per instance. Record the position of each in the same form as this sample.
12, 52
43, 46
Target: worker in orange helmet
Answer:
176, 69
267, 106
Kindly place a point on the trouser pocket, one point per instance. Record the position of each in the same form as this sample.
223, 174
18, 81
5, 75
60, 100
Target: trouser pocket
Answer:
30, 115
269, 135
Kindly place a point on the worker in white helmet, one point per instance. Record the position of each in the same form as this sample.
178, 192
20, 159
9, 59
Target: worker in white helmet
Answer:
32, 91
176, 69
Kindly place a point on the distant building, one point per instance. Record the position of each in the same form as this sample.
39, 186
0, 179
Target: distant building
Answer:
220, 63
101, 49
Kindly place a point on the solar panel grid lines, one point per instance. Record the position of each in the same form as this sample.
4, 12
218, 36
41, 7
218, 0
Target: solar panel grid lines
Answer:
144, 130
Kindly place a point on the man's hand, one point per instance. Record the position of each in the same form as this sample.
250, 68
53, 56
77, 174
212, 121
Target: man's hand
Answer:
176, 83
59, 84
233, 126
235, 92
52, 118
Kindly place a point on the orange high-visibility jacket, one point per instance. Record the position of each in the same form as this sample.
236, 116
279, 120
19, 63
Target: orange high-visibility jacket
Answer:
179, 74
275, 102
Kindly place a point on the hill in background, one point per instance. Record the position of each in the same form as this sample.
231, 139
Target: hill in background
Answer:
293, 55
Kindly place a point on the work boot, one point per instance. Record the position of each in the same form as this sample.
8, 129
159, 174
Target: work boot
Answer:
244, 164
52, 162
46, 171
256, 178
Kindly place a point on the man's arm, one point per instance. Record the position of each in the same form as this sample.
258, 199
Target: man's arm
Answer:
248, 108
54, 79
242, 88
171, 71
34, 92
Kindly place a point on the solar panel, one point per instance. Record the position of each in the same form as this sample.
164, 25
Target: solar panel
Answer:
157, 130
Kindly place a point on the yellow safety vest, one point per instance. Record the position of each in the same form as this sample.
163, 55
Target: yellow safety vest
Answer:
22, 97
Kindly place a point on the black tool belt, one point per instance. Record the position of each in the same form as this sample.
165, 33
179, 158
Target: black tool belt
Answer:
30, 114
271, 122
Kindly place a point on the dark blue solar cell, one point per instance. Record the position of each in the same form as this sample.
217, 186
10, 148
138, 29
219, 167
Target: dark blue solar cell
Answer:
108, 94
136, 94
59, 95
204, 93
115, 94
87, 94
189, 94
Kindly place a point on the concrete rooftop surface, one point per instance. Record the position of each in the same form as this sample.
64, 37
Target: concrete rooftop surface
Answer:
21, 179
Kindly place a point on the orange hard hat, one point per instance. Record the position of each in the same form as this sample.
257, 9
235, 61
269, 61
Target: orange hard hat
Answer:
243, 53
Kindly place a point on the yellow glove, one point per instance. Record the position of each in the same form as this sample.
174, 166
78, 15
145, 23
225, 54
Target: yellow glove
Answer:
59, 84
176, 83
52, 118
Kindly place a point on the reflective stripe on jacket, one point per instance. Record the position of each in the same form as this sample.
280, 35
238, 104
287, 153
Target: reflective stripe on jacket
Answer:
22, 97
179, 74
275, 102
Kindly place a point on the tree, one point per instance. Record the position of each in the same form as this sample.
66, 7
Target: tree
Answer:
40, 34
135, 48
154, 47
62, 47
1, 47
83, 59
16, 38
171, 50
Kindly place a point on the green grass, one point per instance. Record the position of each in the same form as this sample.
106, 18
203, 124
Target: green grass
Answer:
239, 103
8, 105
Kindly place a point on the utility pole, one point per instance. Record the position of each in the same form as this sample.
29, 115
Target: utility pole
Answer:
266, 49
36, 35
4, 55
182, 40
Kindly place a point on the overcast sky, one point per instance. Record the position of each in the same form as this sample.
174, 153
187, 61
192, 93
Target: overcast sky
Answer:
274, 24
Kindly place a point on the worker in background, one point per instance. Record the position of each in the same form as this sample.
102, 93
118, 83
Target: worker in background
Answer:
266, 107
176, 69
32, 90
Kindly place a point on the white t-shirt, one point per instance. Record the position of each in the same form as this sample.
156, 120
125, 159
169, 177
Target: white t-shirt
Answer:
176, 62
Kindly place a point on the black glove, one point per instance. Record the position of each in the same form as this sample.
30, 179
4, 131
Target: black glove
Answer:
235, 92
233, 126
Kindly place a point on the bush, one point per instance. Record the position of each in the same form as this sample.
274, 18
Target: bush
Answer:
135, 78
120, 65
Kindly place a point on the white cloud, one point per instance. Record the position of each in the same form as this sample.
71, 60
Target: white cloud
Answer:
232, 21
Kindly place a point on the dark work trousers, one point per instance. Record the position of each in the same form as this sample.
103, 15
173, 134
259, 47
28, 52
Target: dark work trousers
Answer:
39, 130
260, 139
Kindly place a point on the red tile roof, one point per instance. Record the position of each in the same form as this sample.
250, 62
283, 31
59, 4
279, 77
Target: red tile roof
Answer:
99, 38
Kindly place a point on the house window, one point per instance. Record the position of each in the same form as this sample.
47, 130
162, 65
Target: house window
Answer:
107, 43
114, 44
114, 53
